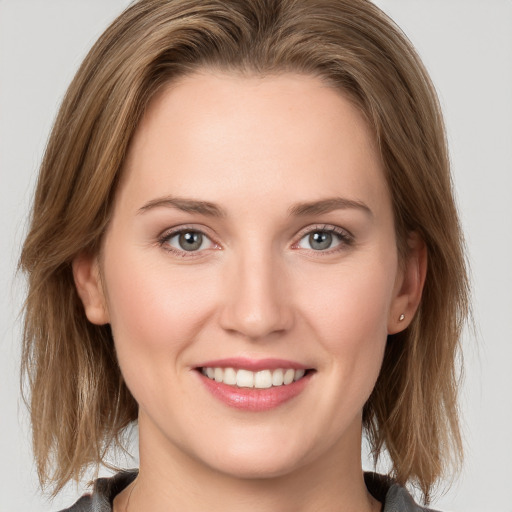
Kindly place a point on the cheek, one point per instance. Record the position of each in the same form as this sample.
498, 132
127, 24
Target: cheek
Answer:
350, 299
154, 314
348, 310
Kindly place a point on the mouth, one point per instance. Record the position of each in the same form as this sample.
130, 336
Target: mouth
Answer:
254, 385
263, 379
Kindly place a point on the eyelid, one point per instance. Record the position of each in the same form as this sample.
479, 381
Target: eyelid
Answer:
347, 238
169, 233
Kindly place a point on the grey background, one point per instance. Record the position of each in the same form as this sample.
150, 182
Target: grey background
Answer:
466, 45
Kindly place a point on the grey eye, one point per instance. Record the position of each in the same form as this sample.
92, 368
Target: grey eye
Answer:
320, 240
189, 241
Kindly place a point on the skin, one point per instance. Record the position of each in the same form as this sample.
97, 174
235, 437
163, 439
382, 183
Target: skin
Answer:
254, 147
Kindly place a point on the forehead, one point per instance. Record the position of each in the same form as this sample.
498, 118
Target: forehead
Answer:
288, 131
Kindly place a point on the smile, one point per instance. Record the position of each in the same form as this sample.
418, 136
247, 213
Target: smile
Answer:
262, 379
254, 385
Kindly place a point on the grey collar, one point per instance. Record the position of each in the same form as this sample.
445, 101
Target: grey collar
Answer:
394, 497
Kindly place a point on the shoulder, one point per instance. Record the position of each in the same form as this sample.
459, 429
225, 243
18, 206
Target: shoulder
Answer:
103, 493
395, 497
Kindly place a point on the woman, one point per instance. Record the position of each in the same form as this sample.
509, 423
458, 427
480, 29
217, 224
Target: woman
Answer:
244, 238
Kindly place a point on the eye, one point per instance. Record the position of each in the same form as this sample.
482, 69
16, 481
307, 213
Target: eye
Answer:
186, 240
324, 239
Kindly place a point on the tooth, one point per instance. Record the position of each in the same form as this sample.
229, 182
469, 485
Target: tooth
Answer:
245, 379
229, 376
299, 374
288, 376
263, 379
277, 378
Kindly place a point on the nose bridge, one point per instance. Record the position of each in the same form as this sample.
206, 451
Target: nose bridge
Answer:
256, 303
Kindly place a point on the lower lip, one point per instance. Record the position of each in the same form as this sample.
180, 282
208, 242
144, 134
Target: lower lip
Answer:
252, 399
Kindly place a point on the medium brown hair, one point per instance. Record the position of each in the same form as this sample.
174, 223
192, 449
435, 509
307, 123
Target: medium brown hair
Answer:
79, 402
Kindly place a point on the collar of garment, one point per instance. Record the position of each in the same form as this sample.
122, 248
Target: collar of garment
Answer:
393, 496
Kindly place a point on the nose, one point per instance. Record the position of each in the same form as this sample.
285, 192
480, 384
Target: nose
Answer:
256, 302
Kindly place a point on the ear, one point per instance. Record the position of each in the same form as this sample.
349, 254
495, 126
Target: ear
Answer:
409, 285
86, 273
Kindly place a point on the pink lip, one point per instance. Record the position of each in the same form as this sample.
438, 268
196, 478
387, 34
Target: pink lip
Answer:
251, 399
253, 365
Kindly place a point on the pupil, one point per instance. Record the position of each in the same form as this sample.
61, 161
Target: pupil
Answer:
190, 241
320, 240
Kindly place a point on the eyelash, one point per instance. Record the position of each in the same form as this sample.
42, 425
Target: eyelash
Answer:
346, 239
163, 241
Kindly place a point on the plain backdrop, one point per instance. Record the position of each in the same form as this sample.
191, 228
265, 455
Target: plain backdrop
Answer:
466, 45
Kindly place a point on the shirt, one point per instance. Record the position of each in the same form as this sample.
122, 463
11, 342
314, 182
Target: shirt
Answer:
393, 496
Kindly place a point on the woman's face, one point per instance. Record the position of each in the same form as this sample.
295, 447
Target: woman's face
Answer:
252, 241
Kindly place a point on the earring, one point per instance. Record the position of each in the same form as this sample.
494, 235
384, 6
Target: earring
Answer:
401, 318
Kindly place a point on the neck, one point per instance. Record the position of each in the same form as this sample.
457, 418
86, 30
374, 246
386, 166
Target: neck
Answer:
170, 480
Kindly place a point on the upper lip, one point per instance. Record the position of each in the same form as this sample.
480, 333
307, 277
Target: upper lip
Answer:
253, 364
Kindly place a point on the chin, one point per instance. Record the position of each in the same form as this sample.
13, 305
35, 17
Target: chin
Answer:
256, 460
257, 468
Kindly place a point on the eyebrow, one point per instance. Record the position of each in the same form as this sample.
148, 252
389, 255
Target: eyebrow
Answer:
328, 205
297, 210
185, 205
